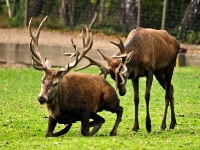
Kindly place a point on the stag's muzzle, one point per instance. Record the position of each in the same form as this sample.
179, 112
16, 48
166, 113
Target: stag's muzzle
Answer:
42, 100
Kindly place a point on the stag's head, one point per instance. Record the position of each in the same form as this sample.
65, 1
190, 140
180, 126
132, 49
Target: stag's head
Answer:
50, 83
117, 67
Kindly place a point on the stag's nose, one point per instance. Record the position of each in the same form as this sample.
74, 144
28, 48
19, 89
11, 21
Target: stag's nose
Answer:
41, 100
122, 90
122, 93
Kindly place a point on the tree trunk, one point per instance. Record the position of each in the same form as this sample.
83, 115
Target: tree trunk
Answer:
67, 12
121, 15
71, 12
62, 11
15, 7
9, 9
192, 16
101, 12
132, 14
36, 8
128, 14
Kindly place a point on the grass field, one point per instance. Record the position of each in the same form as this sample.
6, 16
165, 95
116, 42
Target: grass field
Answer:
23, 121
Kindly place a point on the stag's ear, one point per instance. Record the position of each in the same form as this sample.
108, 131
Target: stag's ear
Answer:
129, 56
48, 63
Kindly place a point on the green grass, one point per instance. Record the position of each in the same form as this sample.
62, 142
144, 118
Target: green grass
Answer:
23, 121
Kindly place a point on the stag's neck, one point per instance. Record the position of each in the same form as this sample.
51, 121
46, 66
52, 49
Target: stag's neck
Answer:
54, 107
133, 66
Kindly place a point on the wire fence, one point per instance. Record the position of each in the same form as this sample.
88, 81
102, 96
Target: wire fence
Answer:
110, 16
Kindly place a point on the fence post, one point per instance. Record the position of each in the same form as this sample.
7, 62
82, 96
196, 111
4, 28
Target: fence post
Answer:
139, 12
26, 14
164, 14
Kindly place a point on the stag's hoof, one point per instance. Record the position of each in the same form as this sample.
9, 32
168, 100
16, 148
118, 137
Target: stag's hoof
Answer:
148, 127
172, 125
113, 133
163, 127
95, 129
49, 135
135, 127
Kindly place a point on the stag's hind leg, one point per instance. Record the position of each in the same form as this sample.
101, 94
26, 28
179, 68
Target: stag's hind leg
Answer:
170, 98
97, 123
164, 78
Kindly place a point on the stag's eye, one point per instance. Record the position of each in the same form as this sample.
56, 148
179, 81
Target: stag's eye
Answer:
55, 84
42, 80
124, 75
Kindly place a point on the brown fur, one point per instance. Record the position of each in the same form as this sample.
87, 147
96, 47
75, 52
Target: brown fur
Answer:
72, 97
154, 52
78, 97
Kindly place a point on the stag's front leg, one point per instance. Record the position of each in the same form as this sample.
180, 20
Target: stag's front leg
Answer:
51, 126
63, 131
85, 123
119, 113
147, 98
173, 117
97, 123
135, 83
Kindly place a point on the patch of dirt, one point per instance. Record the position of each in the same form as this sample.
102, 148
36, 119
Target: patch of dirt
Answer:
58, 38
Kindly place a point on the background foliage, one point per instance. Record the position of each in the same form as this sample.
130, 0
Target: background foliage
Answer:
113, 16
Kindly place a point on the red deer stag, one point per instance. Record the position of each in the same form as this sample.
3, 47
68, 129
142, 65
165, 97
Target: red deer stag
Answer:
71, 96
146, 52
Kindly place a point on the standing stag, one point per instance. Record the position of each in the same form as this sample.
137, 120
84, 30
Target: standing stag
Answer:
146, 52
72, 97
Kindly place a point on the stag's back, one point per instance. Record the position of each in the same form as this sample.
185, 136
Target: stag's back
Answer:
88, 91
155, 47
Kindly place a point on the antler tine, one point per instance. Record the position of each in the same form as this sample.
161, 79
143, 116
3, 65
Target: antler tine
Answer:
38, 62
75, 48
86, 47
104, 70
74, 63
122, 50
120, 46
87, 36
79, 55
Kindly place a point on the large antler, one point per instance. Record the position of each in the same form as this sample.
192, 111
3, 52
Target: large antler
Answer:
38, 62
122, 50
87, 45
104, 70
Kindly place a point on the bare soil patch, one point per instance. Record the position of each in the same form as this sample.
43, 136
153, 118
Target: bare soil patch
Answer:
62, 38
